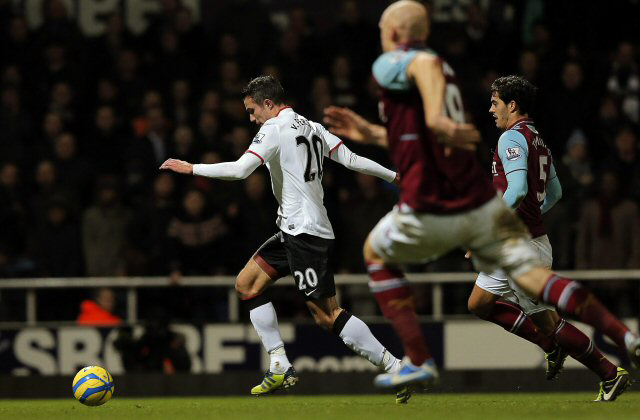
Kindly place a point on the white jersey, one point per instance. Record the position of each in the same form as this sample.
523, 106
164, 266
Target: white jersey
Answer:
293, 148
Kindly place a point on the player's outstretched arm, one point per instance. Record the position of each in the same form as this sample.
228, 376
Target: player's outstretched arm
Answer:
350, 160
231, 171
426, 71
343, 122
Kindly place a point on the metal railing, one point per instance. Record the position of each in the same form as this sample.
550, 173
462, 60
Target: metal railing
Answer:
132, 284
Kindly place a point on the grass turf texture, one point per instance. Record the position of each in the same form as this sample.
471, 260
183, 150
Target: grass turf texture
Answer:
369, 407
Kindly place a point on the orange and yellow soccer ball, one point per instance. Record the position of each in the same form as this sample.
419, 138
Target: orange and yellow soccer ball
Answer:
93, 386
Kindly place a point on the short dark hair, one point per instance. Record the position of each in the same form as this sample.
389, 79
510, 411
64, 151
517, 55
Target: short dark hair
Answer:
264, 87
515, 88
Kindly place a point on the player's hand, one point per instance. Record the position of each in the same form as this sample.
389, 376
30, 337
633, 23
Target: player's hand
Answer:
467, 255
343, 122
462, 136
396, 180
179, 166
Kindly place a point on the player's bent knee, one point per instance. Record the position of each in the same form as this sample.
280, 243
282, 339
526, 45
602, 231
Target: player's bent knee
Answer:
370, 256
243, 286
479, 308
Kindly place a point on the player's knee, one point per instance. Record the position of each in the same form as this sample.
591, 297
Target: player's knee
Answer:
243, 286
370, 256
479, 308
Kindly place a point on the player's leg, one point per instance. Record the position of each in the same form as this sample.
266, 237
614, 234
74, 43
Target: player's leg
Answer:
574, 300
310, 261
576, 343
400, 237
265, 267
614, 380
353, 331
500, 238
506, 314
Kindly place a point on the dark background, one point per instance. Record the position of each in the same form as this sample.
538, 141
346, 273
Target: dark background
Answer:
86, 121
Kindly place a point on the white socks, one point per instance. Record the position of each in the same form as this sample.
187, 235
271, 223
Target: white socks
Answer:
358, 337
355, 334
630, 340
265, 322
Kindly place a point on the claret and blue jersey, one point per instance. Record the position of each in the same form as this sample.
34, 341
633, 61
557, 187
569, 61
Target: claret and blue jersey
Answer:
523, 170
431, 181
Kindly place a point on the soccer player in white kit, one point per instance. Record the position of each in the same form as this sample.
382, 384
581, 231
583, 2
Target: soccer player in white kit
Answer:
293, 148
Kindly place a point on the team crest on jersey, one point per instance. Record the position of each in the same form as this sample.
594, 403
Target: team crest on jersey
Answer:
258, 138
513, 153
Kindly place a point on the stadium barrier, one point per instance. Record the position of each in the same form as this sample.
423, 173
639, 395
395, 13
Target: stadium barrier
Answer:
132, 284
39, 358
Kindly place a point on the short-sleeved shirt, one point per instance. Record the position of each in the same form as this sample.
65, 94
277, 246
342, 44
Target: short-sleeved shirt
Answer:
293, 149
520, 148
431, 181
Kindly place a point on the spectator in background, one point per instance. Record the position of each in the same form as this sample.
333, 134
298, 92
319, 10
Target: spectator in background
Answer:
361, 210
104, 232
129, 81
624, 80
345, 92
605, 126
171, 62
198, 238
575, 171
16, 126
181, 104
238, 141
625, 161
13, 218
256, 215
73, 171
190, 35
61, 102
608, 231
56, 243
152, 218
576, 161
115, 38
48, 191
184, 145
107, 93
149, 150
52, 127
19, 47
209, 133
572, 101
106, 144
354, 37
99, 310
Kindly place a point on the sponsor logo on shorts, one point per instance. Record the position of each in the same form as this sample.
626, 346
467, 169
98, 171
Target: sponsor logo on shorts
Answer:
513, 153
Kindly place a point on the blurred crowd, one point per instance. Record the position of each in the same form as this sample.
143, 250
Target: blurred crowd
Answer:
86, 121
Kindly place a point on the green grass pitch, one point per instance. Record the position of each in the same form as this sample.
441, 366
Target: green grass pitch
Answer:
369, 407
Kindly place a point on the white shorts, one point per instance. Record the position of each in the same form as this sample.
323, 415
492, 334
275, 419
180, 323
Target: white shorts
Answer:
498, 283
493, 232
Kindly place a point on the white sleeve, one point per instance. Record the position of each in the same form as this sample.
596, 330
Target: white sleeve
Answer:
341, 154
240, 169
265, 144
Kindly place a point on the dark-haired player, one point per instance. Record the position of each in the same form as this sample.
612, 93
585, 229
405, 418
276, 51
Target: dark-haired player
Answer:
293, 148
446, 201
523, 171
